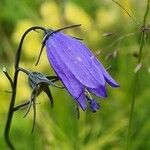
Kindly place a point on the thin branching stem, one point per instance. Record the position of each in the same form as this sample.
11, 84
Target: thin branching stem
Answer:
135, 21
25, 104
8, 77
15, 79
146, 13
135, 81
24, 70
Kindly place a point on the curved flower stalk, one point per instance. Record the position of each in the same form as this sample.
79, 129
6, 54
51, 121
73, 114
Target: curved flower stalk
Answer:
13, 81
77, 68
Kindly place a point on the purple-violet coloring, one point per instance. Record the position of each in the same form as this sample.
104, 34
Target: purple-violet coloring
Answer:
78, 69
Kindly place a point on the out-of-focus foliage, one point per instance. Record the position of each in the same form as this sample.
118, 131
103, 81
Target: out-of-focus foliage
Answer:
59, 128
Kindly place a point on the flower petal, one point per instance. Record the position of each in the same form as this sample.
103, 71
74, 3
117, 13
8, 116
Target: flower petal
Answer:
82, 100
77, 58
99, 92
107, 77
75, 88
84, 51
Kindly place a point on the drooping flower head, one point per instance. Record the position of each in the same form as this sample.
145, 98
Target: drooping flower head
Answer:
78, 68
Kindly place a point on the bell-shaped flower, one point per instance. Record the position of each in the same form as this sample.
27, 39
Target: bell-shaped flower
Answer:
77, 67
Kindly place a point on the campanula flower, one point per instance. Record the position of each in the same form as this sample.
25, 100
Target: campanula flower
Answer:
78, 68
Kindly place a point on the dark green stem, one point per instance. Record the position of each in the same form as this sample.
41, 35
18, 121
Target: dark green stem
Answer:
135, 81
14, 89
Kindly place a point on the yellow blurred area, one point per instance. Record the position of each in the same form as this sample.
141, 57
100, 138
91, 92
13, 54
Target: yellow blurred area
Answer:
106, 18
50, 14
31, 43
94, 36
4, 96
20, 28
24, 91
42, 65
76, 15
5, 91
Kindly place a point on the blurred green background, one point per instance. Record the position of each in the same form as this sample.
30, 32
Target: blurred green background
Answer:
59, 128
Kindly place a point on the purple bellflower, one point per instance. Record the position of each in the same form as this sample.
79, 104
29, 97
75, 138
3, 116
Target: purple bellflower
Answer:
78, 68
